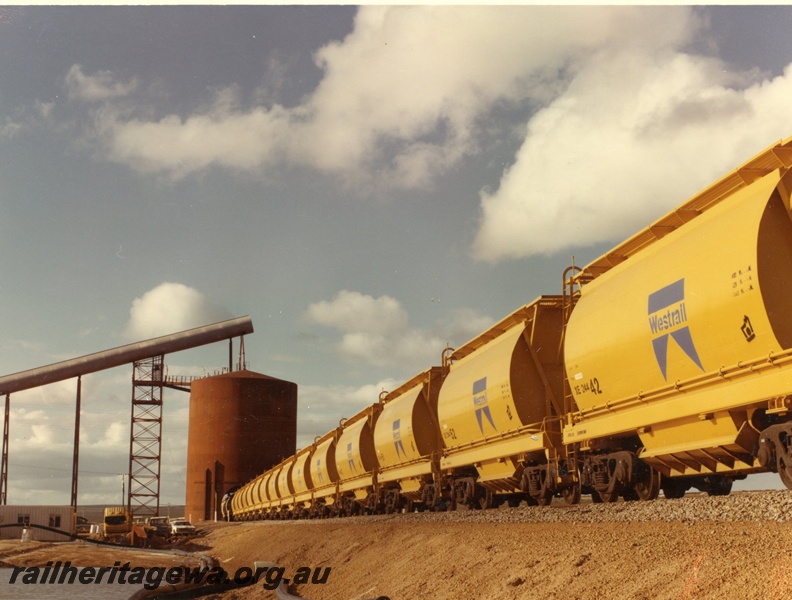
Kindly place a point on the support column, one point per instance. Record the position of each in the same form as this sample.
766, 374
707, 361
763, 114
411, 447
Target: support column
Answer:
76, 459
4, 460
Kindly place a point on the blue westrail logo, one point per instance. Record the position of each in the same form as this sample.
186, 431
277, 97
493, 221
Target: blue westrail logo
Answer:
481, 404
351, 458
397, 441
668, 318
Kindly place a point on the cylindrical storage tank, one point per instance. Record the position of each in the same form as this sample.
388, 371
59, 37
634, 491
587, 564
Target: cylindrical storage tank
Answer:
241, 424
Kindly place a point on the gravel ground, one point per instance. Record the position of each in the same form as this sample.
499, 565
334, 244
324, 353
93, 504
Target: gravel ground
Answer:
739, 506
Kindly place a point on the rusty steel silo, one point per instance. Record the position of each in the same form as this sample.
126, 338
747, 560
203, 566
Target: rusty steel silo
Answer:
241, 423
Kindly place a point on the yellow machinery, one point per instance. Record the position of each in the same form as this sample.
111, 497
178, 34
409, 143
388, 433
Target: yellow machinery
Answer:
117, 520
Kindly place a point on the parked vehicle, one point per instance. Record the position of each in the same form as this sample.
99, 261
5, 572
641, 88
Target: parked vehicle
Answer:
159, 525
117, 519
181, 527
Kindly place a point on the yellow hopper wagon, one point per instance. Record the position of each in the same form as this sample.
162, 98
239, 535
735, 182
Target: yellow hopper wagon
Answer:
679, 349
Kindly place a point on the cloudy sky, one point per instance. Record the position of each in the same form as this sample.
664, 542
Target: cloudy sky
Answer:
368, 184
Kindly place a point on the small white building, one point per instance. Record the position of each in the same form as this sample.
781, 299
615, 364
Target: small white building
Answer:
62, 518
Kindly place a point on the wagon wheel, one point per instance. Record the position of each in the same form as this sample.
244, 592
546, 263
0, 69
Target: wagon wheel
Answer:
544, 500
571, 495
673, 488
487, 500
785, 472
648, 488
719, 486
606, 496
630, 495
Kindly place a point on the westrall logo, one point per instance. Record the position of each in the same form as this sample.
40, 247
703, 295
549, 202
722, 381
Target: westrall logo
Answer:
397, 442
668, 317
319, 469
480, 402
351, 458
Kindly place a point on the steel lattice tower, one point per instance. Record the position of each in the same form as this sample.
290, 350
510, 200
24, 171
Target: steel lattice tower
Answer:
145, 437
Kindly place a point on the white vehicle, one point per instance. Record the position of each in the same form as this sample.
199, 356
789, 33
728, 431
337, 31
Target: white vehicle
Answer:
181, 527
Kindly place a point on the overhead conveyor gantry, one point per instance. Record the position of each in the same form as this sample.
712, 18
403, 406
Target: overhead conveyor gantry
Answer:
140, 354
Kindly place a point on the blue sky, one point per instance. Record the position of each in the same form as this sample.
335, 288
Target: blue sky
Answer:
368, 184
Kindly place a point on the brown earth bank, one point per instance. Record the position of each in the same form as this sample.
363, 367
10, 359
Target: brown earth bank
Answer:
696, 547
520, 560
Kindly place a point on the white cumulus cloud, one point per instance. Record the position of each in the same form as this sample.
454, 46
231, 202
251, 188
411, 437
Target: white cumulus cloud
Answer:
376, 331
353, 311
620, 117
102, 85
633, 136
401, 100
170, 308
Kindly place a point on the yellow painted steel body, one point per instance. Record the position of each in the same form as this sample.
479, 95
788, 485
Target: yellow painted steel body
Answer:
236, 502
263, 486
273, 493
248, 496
285, 489
499, 400
406, 436
255, 498
355, 455
301, 472
301, 478
324, 474
258, 495
682, 342
265, 489
242, 506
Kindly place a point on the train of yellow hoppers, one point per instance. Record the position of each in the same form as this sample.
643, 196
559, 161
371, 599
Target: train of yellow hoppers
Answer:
666, 364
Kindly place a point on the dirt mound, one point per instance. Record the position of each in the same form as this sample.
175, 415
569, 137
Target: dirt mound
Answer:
464, 557
697, 547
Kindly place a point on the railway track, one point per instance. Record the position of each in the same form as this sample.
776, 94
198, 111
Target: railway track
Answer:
773, 505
